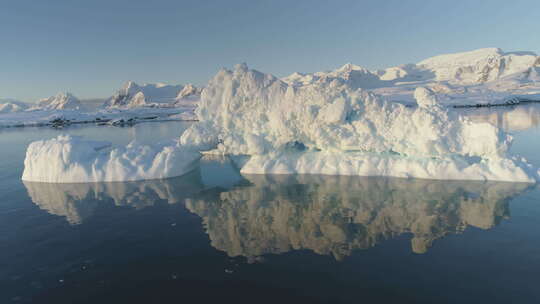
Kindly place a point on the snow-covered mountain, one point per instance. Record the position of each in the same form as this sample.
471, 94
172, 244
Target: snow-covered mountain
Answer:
352, 75
477, 77
478, 66
61, 101
8, 105
132, 95
466, 68
188, 97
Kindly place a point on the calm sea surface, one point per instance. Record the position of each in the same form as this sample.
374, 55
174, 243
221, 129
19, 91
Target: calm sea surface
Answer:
215, 235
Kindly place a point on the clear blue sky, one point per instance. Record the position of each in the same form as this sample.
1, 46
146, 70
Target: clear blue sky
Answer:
91, 47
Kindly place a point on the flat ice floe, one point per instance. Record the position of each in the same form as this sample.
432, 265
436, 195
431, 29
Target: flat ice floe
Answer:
331, 128
72, 159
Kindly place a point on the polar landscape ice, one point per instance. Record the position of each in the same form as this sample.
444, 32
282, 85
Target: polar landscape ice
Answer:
350, 121
72, 159
132, 95
330, 128
487, 76
61, 101
11, 105
130, 104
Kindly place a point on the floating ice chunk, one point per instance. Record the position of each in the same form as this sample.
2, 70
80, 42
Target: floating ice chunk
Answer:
72, 159
341, 130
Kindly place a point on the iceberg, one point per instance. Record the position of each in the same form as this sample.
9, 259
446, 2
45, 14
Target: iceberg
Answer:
77, 202
329, 127
73, 159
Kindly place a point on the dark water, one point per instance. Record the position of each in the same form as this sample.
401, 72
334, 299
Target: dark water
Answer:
215, 235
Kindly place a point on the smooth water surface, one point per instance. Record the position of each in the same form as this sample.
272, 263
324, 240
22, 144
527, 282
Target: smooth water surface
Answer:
215, 235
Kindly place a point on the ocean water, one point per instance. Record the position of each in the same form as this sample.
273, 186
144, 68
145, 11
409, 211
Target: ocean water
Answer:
215, 235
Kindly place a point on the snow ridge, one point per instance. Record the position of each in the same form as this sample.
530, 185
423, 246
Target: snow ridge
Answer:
61, 101
132, 95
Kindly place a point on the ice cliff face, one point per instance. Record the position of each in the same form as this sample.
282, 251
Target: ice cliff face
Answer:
331, 128
132, 95
73, 159
62, 101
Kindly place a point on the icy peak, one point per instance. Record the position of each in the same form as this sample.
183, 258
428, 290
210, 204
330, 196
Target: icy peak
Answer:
128, 85
62, 101
241, 67
188, 91
348, 67
9, 105
149, 94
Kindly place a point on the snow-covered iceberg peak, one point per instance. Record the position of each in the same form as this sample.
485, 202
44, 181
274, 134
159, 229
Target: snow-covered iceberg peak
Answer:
331, 128
73, 159
61, 101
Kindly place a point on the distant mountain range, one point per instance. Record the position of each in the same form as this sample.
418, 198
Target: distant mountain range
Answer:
477, 74
467, 68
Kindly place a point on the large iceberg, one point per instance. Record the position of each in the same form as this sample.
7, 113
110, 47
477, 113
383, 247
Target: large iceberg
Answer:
72, 159
330, 127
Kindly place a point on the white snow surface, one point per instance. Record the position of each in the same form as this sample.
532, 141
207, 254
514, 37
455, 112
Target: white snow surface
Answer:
12, 106
35, 118
61, 101
132, 95
328, 127
72, 159
483, 76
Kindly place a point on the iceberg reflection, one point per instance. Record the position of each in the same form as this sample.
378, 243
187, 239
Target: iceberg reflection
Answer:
338, 214
518, 118
78, 201
273, 214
